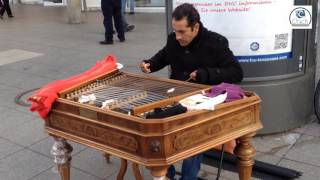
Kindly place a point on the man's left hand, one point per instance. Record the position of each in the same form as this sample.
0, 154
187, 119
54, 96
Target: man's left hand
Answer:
193, 75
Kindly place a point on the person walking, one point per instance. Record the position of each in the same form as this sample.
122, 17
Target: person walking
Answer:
132, 5
112, 9
5, 7
126, 26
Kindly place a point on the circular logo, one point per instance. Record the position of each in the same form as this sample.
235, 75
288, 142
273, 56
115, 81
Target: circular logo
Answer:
254, 46
300, 17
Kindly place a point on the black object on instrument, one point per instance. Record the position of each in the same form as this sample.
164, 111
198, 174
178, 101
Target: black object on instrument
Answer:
167, 112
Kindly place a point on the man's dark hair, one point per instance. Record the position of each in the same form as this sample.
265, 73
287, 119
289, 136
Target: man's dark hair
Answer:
189, 11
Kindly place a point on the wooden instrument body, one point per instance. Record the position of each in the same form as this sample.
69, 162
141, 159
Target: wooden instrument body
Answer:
154, 142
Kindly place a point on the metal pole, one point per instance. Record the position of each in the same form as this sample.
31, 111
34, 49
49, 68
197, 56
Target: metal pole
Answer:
317, 40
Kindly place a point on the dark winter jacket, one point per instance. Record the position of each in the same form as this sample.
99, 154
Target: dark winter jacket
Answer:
208, 53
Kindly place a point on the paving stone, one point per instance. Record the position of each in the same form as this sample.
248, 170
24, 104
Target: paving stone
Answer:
145, 173
44, 147
267, 158
306, 150
52, 174
303, 128
20, 65
277, 144
229, 175
309, 172
313, 129
8, 148
14, 55
208, 172
22, 80
7, 90
93, 162
41, 69
11, 118
8, 95
23, 165
25, 134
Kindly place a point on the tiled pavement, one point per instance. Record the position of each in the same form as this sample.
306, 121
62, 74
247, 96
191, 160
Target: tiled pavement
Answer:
37, 47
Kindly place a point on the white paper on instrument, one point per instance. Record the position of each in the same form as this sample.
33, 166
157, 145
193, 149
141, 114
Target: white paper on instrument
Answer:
199, 101
107, 102
87, 98
171, 90
119, 66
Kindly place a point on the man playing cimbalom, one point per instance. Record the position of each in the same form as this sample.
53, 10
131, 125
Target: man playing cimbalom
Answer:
197, 55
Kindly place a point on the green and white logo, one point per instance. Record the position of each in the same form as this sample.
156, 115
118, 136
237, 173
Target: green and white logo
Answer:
301, 17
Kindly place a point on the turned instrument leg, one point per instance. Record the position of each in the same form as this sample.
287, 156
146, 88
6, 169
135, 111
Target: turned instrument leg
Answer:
107, 156
61, 150
245, 153
159, 173
123, 169
136, 171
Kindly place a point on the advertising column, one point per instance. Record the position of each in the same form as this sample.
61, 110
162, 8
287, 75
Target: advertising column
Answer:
258, 31
271, 41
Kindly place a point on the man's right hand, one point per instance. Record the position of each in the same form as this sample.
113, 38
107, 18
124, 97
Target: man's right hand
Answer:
145, 67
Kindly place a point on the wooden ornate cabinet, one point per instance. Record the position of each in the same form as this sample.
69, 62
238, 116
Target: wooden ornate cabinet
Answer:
123, 131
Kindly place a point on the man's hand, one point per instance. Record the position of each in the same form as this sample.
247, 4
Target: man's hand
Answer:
145, 67
193, 75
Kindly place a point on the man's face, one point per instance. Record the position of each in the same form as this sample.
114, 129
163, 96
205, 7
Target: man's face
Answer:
184, 34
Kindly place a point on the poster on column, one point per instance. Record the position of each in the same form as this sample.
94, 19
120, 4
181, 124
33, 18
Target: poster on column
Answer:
258, 31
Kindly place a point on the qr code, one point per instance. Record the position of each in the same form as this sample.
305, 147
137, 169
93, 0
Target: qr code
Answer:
281, 41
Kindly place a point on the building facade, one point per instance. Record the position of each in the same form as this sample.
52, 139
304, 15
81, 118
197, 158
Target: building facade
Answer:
140, 5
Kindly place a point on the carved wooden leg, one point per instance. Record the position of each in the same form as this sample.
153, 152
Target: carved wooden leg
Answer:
136, 171
159, 173
245, 153
123, 169
107, 156
61, 150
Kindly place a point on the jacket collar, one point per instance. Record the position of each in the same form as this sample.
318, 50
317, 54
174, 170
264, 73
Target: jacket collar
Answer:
196, 41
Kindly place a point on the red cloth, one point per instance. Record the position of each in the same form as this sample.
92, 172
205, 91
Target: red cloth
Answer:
43, 99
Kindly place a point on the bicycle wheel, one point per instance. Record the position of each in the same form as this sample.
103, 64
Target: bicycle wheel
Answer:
317, 101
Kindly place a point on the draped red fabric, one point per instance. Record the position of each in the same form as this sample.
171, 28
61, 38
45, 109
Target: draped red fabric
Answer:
43, 99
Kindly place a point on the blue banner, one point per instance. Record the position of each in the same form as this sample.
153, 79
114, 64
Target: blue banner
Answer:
264, 58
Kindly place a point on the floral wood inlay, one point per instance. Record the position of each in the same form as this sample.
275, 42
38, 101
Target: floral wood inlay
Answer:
239, 120
205, 132
106, 136
196, 135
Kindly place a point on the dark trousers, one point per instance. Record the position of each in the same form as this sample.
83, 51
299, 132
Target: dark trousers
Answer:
5, 7
112, 8
190, 166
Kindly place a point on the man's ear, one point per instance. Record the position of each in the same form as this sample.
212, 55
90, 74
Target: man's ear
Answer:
196, 27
